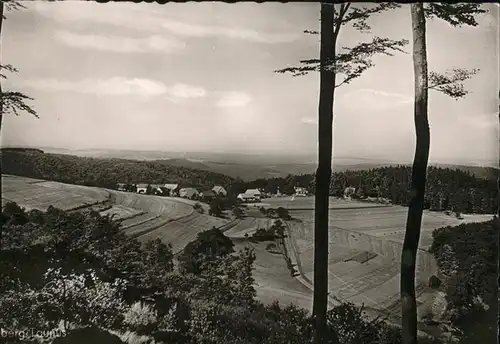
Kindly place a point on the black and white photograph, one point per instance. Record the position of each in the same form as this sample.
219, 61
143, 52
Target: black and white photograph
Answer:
247, 173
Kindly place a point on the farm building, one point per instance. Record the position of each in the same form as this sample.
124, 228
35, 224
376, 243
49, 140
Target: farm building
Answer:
349, 191
142, 188
300, 191
207, 195
156, 189
121, 186
190, 193
255, 193
219, 190
247, 198
173, 189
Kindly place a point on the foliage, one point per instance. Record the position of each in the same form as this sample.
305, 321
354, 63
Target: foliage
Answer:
102, 172
215, 207
237, 212
208, 246
446, 189
275, 231
468, 257
80, 270
450, 83
456, 14
283, 213
351, 62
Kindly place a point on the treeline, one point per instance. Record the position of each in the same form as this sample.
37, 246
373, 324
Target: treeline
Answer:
447, 189
285, 185
102, 172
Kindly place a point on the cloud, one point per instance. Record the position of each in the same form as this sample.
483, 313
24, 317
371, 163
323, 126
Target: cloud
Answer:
309, 120
483, 121
144, 17
377, 100
120, 44
234, 99
118, 86
194, 30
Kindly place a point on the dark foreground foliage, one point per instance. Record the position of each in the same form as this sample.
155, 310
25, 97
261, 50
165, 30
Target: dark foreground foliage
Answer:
77, 272
468, 259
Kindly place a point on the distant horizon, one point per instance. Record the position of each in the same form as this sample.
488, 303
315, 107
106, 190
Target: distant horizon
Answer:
303, 158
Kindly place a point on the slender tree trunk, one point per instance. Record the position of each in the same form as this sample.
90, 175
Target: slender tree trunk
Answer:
416, 206
1, 112
323, 174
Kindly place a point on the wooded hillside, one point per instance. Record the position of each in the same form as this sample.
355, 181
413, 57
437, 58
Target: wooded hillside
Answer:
102, 172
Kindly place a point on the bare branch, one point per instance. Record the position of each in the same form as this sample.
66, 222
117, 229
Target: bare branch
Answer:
311, 32
451, 82
456, 14
14, 103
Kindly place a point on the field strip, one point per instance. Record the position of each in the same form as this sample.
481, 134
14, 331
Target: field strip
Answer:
288, 240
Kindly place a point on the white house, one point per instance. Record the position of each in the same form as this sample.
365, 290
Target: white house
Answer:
300, 191
247, 198
156, 188
190, 193
219, 190
142, 188
172, 188
349, 191
255, 193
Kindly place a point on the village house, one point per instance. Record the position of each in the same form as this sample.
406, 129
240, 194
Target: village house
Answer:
173, 189
121, 186
189, 193
255, 193
142, 188
156, 189
300, 191
207, 195
219, 190
246, 198
349, 191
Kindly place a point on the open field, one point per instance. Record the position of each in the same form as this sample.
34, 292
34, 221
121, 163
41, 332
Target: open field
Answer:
354, 232
273, 280
291, 203
386, 222
120, 212
181, 231
248, 225
39, 194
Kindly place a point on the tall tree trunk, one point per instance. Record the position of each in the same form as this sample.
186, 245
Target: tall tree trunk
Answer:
1, 111
420, 161
323, 173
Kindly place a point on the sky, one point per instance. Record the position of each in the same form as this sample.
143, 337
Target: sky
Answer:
200, 77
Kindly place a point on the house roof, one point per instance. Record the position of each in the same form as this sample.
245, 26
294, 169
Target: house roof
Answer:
142, 185
208, 193
245, 195
156, 186
252, 192
171, 186
218, 188
189, 191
